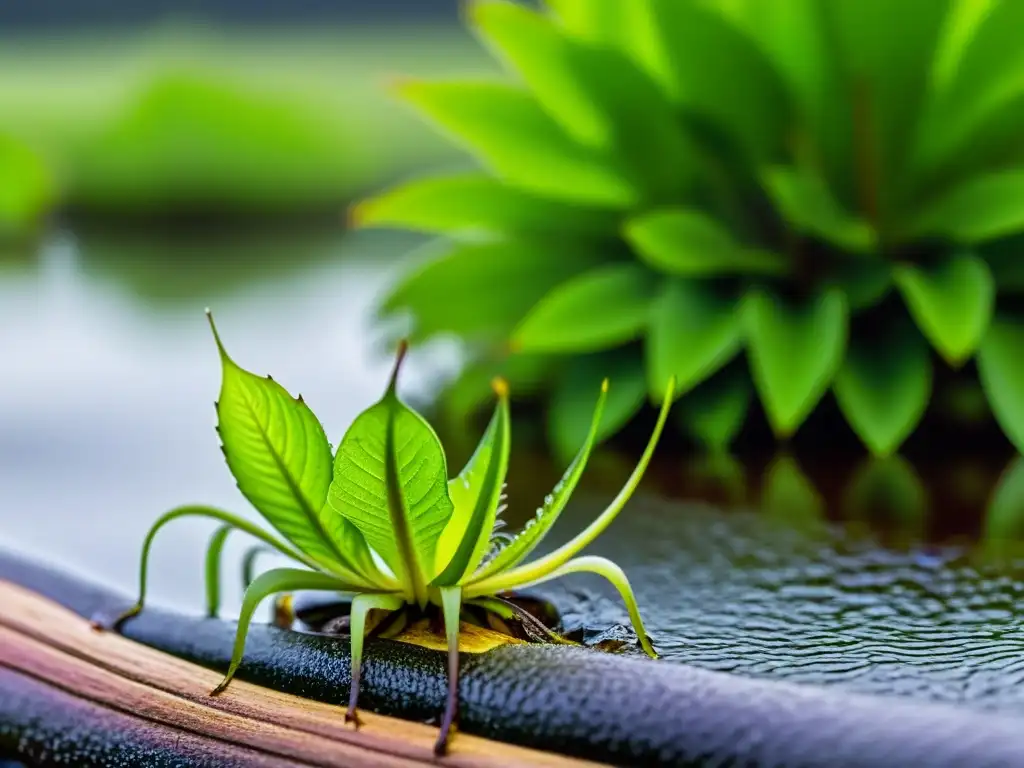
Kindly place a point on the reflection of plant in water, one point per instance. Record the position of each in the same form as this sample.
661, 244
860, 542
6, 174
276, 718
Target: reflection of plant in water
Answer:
890, 494
1004, 522
882, 494
835, 185
381, 520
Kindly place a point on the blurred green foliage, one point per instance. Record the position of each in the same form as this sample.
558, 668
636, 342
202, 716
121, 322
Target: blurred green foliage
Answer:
834, 186
191, 143
26, 189
196, 120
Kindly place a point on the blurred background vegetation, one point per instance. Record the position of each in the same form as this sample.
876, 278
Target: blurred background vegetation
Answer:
178, 116
808, 211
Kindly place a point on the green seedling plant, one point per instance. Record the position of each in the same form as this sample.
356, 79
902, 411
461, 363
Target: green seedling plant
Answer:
380, 520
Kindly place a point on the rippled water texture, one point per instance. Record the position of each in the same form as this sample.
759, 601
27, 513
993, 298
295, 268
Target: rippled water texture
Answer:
738, 592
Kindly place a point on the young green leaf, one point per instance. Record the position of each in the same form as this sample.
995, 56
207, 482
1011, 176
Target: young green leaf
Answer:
470, 203
602, 308
497, 284
214, 552
986, 207
951, 303
476, 493
451, 607
693, 332
530, 577
249, 564
884, 386
1001, 369
506, 128
215, 514
391, 482
714, 412
279, 454
572, 401
527, 539
541, 568
686, 242
271, 583
361, 606
795, 351
806, 204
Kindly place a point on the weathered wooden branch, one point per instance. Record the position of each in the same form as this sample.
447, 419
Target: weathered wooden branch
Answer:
46, 646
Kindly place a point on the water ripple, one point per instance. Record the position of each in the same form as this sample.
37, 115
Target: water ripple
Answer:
737, 593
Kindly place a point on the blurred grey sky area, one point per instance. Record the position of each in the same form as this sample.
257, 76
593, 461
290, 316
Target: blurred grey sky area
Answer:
27, 15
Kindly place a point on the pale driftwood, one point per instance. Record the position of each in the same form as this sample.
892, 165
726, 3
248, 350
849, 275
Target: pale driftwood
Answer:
43, 640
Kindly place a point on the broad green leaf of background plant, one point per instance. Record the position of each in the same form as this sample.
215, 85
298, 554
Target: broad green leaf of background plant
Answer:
601, 308
1001, 369
686, 242
507, 129
592, 92
714, 412
806, 204
951, 303
980, 96
391, 482
885, 385
885, 52
962, 22
527, 376
476, 493
865, 284
537, 527
626, 26
984, 208
795, 352
713, 69
497, 284
473, 203
278, 452
787, 31
532, 46
572, 401
607, 22
693, 332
